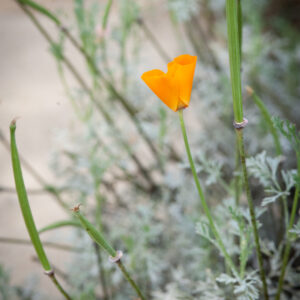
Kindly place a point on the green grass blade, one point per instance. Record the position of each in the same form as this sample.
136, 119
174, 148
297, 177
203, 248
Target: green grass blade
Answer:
40, 9
265, 113
23, 201
94, 233
60, 224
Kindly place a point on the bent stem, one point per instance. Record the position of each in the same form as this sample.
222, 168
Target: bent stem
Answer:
202, 199
288, 243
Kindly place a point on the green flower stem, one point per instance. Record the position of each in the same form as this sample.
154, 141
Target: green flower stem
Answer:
101, 241
202, 199
239, 133
26, 211
288, 242
264, 111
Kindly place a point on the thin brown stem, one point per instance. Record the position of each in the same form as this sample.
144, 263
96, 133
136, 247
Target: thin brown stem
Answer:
130, 280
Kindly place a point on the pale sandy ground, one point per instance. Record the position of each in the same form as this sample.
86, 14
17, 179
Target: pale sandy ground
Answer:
31, 90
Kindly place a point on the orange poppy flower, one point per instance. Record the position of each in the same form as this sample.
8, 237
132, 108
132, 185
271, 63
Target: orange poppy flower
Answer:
174, 87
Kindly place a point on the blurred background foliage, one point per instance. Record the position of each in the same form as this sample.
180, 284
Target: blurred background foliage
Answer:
126, 164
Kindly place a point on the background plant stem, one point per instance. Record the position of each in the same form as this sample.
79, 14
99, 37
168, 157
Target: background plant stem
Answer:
266, 115
287, 248
239, 133
130, 280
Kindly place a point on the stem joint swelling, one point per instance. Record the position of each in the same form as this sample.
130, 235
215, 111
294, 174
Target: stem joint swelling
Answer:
240, 125
115, 256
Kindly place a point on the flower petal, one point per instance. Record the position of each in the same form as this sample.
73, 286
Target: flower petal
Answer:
164, 88
182, 70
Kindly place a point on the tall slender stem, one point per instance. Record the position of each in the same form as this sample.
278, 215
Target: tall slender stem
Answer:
202, 198
288, 242
234, 31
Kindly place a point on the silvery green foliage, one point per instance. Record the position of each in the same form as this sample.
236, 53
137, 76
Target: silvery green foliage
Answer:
265, 169
183, 9
290, 131
203, 229
246, 288
183, 289
296, 229
172, 292
7, 291
211, 168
